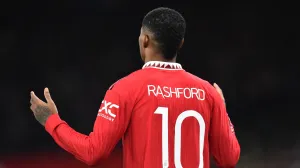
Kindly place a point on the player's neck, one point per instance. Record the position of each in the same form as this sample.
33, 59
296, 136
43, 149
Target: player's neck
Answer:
158, 57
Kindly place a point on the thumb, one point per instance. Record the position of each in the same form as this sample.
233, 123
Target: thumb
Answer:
34, 98
47, 95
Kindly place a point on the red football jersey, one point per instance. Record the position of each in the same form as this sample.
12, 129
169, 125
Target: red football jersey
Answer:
166, 117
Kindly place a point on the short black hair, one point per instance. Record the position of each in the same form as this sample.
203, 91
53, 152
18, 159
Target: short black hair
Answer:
168, 28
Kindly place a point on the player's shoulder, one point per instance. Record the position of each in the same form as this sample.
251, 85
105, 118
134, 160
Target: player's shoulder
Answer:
127, 81
197, 79
210, 91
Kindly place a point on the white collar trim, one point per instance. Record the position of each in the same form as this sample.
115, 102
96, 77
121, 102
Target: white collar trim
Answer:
163, 65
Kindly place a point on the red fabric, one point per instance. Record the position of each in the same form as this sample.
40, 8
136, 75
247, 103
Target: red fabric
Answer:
134, 109
99, 143
56, 160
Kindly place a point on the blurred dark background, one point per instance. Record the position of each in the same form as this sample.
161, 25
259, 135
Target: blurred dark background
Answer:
79, 48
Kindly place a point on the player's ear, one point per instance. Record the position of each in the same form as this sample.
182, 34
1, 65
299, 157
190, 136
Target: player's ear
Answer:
146, 40
181, 43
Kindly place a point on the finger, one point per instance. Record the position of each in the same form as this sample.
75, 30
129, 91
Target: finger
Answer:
216, 85
34, 98
219, 90
47, 95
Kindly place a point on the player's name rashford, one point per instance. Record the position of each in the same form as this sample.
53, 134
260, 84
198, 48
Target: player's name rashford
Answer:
171, 92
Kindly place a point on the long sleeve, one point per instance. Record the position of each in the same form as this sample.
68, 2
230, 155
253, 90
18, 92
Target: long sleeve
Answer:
109, 127
224, 145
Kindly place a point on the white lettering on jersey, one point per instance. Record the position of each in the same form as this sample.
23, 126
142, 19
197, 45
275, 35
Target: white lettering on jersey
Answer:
107, 108
171, 92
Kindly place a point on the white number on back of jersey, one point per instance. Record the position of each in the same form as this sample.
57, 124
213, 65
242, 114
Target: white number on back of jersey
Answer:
177, 145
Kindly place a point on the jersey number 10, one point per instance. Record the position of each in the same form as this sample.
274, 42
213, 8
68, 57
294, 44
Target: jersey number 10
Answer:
177, 145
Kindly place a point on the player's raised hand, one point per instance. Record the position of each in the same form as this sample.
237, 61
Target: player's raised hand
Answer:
219, 90
42, 110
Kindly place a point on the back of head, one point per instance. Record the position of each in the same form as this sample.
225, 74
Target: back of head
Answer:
168, 29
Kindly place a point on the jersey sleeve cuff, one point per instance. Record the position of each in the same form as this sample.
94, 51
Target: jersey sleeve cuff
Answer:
52, 122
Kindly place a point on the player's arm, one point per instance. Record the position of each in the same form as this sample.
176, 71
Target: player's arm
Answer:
109, 127
224, 145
